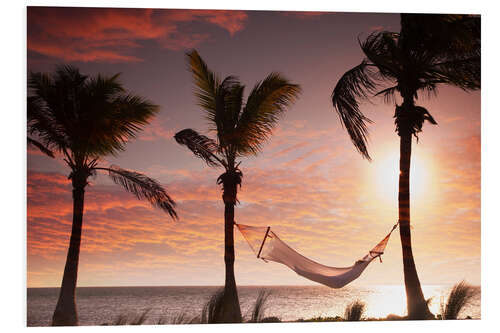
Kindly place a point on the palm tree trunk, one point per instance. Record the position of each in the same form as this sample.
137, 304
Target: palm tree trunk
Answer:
416, 304
231, 312
65, 313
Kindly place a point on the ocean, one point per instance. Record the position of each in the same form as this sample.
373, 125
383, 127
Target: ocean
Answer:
103, 305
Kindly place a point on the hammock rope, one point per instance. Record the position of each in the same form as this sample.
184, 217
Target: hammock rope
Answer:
269, 247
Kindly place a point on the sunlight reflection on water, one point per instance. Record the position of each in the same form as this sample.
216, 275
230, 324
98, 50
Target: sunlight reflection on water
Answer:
104, 304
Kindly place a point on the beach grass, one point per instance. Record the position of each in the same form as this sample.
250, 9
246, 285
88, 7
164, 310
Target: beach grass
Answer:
130, 319
259, 307
460, 295
354, 311
212, 311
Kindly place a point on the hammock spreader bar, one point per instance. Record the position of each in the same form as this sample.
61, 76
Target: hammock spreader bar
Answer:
267, 246
263, 241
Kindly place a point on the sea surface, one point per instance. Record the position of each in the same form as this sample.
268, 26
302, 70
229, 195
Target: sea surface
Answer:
103, 305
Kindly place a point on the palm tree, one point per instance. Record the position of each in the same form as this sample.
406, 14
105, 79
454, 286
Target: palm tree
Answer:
430, 50
85, 118
241, 129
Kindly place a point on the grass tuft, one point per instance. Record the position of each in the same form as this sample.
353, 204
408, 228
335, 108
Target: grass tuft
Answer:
460, 295
183, 319
212, 311
259, 307
354, 311
137, 319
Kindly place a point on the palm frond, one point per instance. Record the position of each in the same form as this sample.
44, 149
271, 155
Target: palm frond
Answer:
430, 50
109, 118
388, 94
221, 99
69, 75
132, 112
104, 87
200, 145
41, 147
142, 187
463, 73
41, 119
88, 116
444, 35
39, 84
382, 50
228, 104
356, 84
266, 102
444, 48
206, 83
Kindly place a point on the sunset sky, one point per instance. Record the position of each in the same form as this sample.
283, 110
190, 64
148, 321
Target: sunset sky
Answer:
309, 183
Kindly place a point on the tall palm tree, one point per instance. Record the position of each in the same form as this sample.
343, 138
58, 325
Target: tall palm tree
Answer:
429, 51
241, 129
85, 118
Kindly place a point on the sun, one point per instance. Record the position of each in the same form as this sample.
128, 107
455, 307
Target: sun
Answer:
386, 169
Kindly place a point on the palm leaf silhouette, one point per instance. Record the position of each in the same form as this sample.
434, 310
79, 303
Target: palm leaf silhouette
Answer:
430, 50
85, 118
240, 130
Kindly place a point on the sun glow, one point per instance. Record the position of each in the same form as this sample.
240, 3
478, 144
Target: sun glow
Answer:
391, 299
386, 171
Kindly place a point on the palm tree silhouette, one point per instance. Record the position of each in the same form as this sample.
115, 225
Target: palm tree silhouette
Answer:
241, 129
429, 50
85, 118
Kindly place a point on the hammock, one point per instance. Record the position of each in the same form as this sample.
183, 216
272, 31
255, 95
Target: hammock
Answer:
267, 246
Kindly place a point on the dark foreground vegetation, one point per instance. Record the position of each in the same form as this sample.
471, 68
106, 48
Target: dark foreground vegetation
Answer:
460, 296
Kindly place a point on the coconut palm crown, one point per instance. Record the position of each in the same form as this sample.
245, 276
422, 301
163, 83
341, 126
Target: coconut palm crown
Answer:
429, 51
83, 119
240, 130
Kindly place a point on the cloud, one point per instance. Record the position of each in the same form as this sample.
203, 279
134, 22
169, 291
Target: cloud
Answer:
116, 224
328, 216
377, 28
156, 130
291, 149
112, 34
304, 157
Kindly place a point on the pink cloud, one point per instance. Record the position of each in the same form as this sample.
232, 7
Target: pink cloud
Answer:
230, 20
111, 35
377, 28
290, 149
307, 207
156, 131
303, 157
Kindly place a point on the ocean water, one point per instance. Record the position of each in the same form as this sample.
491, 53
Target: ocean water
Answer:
101, 305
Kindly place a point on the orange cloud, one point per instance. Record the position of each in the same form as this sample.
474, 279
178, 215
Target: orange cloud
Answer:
112, 34
325, 215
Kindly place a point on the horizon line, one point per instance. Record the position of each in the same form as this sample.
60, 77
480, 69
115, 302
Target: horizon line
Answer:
248, 285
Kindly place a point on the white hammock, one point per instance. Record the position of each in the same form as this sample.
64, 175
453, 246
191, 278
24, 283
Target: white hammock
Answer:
267, 246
